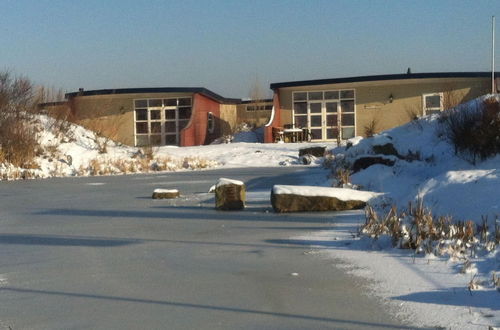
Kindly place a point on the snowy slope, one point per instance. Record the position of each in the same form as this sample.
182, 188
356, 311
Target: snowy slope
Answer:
452, 290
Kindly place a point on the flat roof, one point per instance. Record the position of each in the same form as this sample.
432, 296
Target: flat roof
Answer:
383, 78
200, 90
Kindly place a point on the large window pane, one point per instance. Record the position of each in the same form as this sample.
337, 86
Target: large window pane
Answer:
155, 140
170, 102
171, 140
331, 107
347, 119
156, 127
142, 140
170, 114
315, 96
185, 113
315, 121
315, 107
141, 114
141, 128
300, 107
347, 106
185, 101
300, 121
347, 132
155, 114
433, 101
302, 96
348, 94
170, 127
331, 133
316, 134
332, 95
155, 103
331, 120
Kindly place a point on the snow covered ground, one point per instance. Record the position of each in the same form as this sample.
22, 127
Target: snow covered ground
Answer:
425, 289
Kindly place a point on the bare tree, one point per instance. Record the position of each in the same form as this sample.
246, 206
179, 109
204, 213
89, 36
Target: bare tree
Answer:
18, 140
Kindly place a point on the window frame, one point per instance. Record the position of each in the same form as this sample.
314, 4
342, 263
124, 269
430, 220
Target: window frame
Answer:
338, 99
162, 107
432, 110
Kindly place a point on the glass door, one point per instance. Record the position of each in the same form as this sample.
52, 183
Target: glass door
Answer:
331, 121
316, 120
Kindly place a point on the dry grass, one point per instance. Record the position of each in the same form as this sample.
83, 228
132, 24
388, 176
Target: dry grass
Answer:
475, 133
142, 165
416, 228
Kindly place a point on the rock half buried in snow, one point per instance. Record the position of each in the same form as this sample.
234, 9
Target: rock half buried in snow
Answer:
165, 193
229, 195
309, 198
318, 151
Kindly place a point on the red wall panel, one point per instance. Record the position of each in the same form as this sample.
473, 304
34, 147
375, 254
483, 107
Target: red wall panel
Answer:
195, 133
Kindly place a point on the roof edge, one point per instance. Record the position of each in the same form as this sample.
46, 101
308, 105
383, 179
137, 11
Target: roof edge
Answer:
425, 75
200, 90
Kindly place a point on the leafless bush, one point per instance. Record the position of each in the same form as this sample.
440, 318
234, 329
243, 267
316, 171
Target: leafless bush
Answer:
416, 228
474, 132
342, 177
371, 128
18, 141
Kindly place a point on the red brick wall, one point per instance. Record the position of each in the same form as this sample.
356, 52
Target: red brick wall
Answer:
268, 131
196, 133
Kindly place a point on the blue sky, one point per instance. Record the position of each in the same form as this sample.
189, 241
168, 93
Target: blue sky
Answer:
226, 46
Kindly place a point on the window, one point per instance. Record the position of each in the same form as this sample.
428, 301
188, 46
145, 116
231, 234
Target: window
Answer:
159, 121
255, 107
433, 103
210, 122
326, 113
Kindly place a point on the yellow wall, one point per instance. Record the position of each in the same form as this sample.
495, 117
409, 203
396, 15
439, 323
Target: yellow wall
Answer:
229, 116
112, 114
256, 118
372, 98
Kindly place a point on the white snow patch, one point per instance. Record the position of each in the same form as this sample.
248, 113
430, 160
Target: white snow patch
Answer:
226, 181
165, 191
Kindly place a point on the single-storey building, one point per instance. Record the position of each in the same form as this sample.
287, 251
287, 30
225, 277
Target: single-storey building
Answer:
181, 116
341, 108
254, 112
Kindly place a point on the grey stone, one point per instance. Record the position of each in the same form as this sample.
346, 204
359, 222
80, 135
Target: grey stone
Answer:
297, 203
365, 162
230, 197
318, 151
166, 194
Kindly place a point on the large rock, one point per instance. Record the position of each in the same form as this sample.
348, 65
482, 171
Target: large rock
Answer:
308, 198
367, 161
386, 149
165, 193
318, 151
229, 195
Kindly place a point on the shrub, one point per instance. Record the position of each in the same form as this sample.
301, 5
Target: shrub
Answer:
474, 132
371, 128
18, 138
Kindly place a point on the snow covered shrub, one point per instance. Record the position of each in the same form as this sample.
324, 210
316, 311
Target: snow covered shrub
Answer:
18, 137
474, 129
